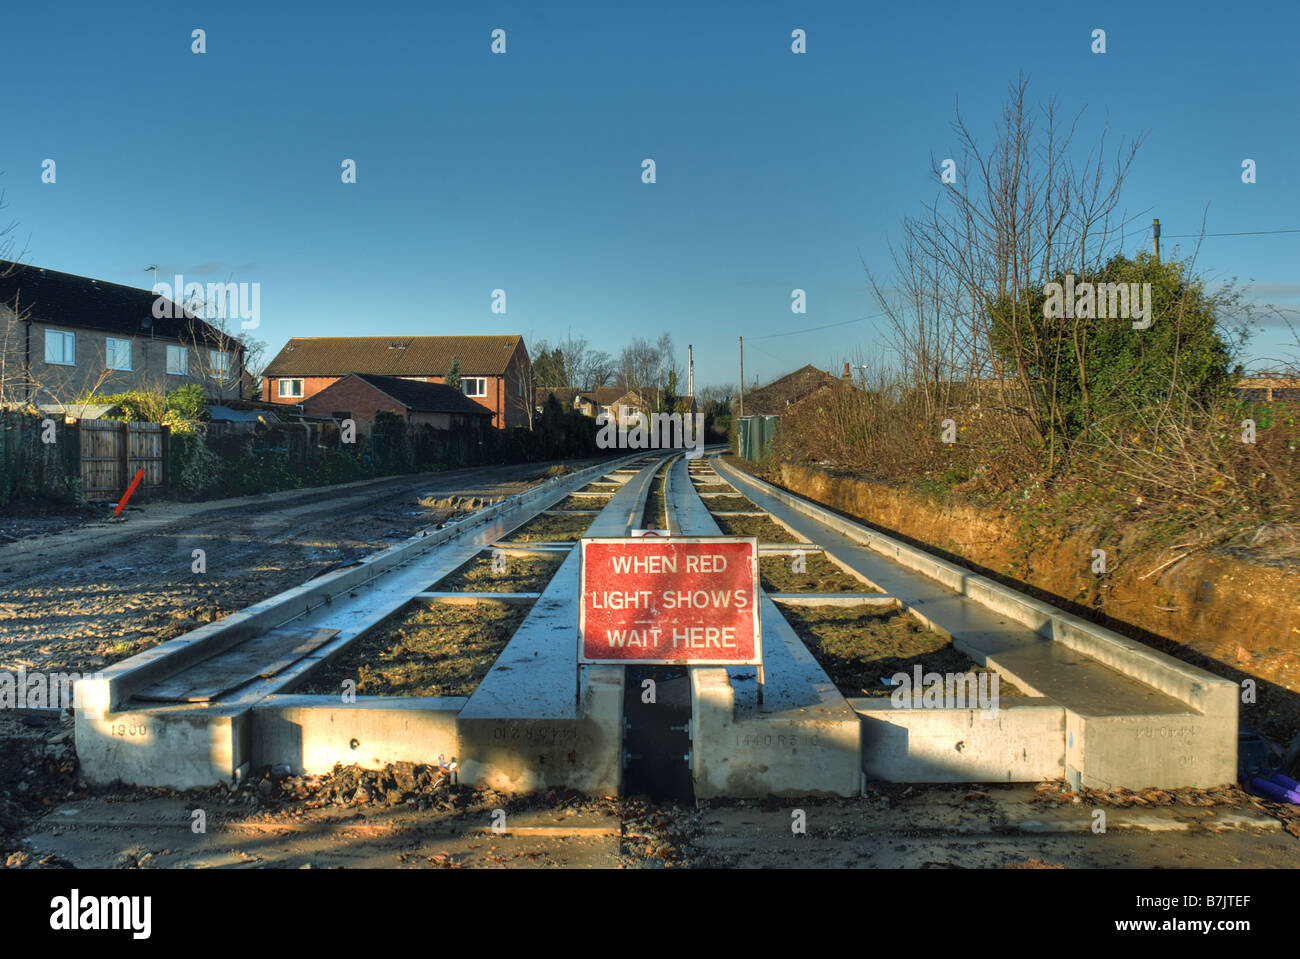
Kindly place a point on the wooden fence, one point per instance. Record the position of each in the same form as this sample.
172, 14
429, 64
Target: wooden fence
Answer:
113, 450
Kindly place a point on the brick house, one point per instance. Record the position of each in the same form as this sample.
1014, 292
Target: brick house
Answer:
494, 370
359, 396
62, 336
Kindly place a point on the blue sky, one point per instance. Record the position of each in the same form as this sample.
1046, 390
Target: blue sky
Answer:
523, 172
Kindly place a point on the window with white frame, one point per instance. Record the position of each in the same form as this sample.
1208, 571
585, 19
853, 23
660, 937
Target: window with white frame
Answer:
290, 388
219, 360
117, 354
60, 347
474, 385
178, 360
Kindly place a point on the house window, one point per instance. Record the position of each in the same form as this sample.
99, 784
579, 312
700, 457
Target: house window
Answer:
117, 354
60, 347
290, 388
219, 360
178, 360
474, 385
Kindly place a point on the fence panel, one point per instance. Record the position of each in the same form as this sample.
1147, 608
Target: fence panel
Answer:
113, 450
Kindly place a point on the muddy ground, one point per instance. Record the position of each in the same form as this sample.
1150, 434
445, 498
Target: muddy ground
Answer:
415, 817
85, 597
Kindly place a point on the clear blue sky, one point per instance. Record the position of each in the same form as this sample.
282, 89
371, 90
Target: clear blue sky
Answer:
523, 171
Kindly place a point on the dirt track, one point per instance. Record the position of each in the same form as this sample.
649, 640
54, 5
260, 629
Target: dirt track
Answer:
85, 597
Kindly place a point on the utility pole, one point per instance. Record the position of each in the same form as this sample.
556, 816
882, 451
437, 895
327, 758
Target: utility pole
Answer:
1155, 233
742, 376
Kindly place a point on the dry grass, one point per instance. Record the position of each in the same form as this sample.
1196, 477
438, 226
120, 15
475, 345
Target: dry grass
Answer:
739, 503
761, 527
859, 645
440, 649
551, 529
508, 573
583, 502
777, 575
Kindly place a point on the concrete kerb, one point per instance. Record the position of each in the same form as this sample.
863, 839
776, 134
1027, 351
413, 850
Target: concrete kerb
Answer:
312, 733
1023, 741
209, 742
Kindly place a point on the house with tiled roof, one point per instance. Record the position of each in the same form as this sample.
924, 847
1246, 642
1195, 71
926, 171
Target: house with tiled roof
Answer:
64, 336
776, 397
494, 370
360, 396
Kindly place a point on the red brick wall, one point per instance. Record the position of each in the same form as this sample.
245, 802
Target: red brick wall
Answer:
356, 396
490, 402
311, 385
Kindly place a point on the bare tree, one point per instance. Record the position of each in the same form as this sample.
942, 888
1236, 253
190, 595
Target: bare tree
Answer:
1020, 214
219, 356
648, 368
597, 369
16, 386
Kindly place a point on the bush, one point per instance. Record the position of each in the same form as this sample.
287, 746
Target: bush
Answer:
189, 403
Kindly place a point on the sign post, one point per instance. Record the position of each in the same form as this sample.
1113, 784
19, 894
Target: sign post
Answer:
684, 601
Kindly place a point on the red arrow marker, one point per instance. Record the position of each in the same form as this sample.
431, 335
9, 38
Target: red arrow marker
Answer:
129, 490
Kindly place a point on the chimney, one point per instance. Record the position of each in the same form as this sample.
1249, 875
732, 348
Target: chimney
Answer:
690, 370
847, 377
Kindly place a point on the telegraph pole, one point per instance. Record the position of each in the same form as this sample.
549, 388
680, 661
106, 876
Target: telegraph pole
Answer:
742, 376
1155, 233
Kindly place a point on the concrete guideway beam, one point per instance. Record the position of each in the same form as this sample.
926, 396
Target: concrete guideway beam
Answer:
1134, 717
201, 744
535, 721
803, 740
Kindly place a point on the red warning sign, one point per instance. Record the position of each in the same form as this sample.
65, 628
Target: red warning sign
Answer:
687, 600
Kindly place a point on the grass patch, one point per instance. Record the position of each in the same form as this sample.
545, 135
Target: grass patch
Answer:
583, 502
439, 649
656, 514
522, 574
777, 575
730, 503
858, 645
551, 529
761, 526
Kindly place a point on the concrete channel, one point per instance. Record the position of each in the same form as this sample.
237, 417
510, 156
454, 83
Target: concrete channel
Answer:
1099, 711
